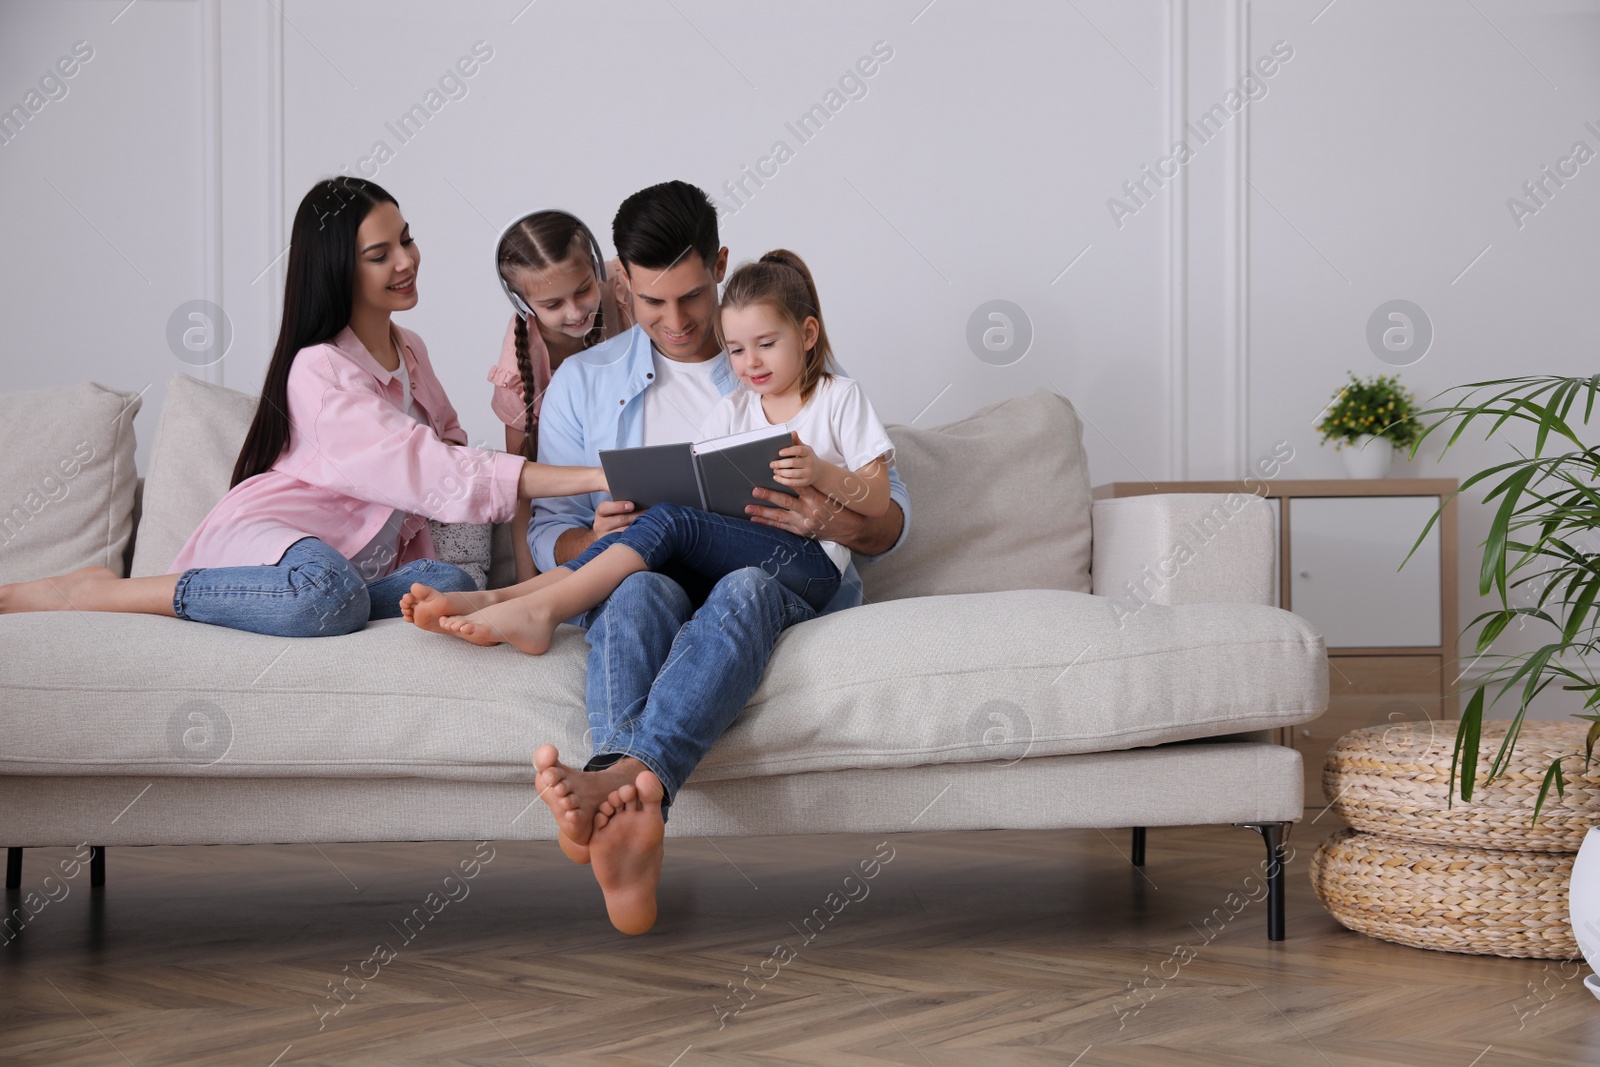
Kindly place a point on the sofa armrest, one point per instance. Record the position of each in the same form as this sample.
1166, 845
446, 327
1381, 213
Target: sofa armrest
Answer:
1184, 548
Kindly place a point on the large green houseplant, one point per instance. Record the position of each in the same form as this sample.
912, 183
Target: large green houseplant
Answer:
1547, 506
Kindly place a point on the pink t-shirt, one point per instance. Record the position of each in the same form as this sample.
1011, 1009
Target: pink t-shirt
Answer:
353, 458
508, 401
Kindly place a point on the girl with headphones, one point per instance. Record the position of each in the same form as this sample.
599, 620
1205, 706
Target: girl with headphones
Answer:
565, 300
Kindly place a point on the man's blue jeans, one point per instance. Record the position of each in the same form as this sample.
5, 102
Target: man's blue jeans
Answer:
665, 680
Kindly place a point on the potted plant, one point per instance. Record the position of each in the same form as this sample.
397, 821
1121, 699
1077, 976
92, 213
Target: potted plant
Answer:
1367, 421
1540, 548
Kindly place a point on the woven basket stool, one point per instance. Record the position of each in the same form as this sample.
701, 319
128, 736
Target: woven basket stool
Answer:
1476, 877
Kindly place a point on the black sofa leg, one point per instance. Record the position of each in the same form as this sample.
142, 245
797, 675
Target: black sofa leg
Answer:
13, 867
1138, 846
1273, 833
97, 867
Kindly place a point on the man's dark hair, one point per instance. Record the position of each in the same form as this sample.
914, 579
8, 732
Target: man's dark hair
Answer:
656, 227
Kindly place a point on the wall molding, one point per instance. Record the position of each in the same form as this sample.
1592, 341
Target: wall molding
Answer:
211, 162
1237, 252
1177, 245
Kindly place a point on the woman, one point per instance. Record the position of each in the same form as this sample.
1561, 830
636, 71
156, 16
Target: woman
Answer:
550, 267
353, 446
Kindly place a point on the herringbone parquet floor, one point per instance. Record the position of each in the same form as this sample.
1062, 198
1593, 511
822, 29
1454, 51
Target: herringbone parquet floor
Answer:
965, 948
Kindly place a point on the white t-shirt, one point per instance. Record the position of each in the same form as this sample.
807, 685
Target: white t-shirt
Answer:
678, 400
380, 554
837, 422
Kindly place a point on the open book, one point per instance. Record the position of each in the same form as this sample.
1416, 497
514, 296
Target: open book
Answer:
715, 475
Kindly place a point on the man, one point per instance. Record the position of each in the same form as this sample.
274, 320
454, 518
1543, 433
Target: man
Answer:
666, 676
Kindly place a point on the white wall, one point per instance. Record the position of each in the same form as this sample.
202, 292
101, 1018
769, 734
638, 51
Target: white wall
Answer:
1208, 325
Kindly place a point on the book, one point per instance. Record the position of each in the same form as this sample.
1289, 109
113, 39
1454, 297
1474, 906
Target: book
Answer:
715, 475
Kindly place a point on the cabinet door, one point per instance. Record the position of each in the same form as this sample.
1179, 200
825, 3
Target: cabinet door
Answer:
1343, 558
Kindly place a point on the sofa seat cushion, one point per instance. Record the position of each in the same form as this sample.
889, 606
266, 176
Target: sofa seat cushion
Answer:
984, 676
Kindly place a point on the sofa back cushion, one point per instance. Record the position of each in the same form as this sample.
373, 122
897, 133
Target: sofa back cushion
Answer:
999, 500
197, 442
67, 468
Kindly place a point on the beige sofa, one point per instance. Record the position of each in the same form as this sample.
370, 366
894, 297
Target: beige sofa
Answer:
1028, 659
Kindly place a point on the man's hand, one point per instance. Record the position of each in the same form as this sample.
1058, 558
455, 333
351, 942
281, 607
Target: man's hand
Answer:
813, 514
610, 516
613, 515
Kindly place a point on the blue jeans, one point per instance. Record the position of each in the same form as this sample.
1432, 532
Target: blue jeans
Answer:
312, 591
665, 680
712, 546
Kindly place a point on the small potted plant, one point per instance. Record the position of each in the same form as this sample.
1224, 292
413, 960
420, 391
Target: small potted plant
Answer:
1367, 421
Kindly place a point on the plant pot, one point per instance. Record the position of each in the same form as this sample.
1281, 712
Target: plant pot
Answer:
1367, 457
1583, 902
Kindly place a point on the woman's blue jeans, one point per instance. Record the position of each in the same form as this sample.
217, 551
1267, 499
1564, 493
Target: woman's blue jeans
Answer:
713, 546
312, 591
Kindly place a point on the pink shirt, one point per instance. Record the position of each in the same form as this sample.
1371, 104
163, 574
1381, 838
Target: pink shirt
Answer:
353, 458
508, 402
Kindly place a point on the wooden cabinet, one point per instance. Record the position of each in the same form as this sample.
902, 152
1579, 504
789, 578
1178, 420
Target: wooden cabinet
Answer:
1390, 630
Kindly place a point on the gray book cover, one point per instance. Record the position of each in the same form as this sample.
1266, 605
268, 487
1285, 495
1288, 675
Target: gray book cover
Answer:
715, 475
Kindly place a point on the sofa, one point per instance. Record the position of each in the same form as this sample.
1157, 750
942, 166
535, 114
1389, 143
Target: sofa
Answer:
1028, 659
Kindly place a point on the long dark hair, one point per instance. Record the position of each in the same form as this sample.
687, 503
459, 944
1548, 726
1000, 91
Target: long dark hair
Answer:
318, 298
535, 242
782, 279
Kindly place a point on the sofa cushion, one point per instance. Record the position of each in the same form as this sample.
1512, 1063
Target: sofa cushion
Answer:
197, 443
67, 468
999, 500
934, 680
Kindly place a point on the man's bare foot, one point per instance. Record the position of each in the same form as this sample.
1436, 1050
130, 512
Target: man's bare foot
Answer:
425, 606
575, 797
523, 623
82, 590
574, 852
627, 850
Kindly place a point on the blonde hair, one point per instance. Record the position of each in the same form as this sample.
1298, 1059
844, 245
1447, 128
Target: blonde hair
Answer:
781, 279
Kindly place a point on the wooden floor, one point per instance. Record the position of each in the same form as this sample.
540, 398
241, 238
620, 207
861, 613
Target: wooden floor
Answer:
966, 948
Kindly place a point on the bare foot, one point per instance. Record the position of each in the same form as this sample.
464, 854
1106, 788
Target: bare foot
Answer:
425, 606
82, 590
575, 797
627, 850
522, 623
575, 853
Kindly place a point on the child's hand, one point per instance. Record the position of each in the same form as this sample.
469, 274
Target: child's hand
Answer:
798, 465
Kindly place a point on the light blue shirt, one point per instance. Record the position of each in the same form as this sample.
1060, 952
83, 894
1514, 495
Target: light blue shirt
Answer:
595, 401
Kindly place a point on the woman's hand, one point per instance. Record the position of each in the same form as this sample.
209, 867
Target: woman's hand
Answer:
798, 465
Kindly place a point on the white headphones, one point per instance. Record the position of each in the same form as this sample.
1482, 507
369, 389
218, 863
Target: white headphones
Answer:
516, 298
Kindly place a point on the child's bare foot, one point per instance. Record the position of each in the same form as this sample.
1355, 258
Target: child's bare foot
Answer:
82, 590
425, 606
627, 850
575, 797
522, 623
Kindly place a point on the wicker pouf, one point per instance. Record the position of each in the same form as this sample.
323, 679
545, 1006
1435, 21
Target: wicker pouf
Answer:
1476, 877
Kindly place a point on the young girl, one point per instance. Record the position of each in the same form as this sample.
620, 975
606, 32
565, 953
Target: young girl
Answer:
566, 300
352, 448
771, 324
